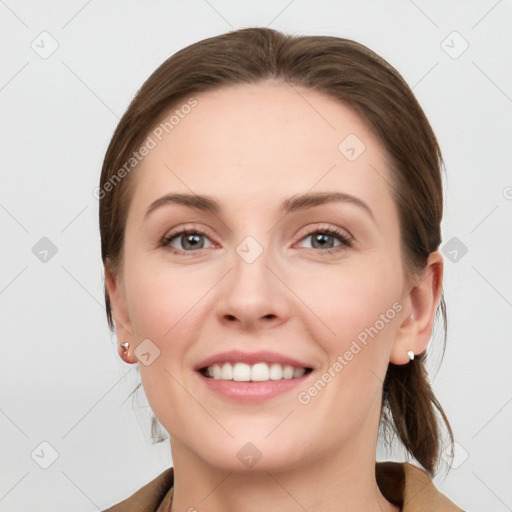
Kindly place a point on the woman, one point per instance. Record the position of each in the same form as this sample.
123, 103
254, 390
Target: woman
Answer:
270, 212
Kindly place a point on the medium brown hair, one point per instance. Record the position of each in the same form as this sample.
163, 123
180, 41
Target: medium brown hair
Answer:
355, 76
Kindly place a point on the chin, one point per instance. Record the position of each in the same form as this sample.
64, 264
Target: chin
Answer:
242, 455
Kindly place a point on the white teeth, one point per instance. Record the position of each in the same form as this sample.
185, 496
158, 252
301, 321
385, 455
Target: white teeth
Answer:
259, 372
298, 372
217, 371
241, 372
226, 372
276, 372
288, 372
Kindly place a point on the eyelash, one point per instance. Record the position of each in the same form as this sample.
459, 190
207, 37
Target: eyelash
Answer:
346, 242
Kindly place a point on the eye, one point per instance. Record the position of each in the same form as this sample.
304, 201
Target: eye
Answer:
191, 240
187, 241
328, 240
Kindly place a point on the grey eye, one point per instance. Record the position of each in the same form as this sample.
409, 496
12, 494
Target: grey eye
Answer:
189, 241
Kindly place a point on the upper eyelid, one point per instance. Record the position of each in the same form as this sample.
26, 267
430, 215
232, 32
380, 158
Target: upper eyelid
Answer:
325, 227
185, 228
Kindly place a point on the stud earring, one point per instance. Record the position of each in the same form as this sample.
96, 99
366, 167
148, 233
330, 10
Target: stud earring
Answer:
125, 345
410, 353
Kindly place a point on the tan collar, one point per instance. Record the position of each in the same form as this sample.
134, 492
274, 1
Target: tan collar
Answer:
403, 484
410, 488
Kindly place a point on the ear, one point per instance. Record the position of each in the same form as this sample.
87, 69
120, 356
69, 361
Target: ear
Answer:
420, 307
120, 314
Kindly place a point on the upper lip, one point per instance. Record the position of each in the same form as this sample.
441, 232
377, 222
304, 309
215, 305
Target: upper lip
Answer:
262, 356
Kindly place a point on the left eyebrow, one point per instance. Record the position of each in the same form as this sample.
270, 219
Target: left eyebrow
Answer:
292, 204
304, 201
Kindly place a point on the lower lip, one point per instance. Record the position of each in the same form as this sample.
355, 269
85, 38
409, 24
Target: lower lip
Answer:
249, 392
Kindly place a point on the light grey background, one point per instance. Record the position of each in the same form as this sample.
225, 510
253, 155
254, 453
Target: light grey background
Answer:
61, 379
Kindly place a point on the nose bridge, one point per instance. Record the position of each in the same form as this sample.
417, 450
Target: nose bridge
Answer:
250, 275
252, 292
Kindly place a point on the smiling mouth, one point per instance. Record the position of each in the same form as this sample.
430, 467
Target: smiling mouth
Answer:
259, 372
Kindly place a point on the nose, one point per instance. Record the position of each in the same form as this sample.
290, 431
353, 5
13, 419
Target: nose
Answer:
253, 296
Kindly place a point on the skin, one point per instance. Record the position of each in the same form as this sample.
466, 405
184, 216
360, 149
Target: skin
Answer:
294, 299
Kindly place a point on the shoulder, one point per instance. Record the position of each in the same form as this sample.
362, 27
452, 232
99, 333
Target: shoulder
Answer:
153, 497
411, 488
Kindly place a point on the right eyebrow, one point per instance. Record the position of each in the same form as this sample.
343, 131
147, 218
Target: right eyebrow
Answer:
204, 203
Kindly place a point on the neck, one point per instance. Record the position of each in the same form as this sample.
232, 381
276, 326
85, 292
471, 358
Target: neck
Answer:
338, 480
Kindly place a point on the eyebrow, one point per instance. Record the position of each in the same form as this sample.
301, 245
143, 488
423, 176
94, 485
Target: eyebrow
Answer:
292, 204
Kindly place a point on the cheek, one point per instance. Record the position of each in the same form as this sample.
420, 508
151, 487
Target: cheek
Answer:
349, 301
164, 304
359, 309
162, 300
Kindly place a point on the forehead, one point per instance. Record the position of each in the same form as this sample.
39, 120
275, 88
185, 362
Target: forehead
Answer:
267, 140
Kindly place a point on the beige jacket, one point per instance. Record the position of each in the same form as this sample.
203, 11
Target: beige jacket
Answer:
403, 484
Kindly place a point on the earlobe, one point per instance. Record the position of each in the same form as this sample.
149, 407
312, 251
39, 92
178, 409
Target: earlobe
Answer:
120, 315
126, 352
415, 330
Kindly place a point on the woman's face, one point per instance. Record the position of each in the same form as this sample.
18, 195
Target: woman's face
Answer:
276, 271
